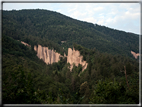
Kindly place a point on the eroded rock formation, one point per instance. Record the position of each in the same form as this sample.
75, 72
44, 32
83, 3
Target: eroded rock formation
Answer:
135, 54
47, 55
25, 44
50, 56
74, 57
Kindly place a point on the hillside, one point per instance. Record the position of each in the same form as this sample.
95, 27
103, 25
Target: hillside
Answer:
28, 80
24, 74
43, 25
110, 77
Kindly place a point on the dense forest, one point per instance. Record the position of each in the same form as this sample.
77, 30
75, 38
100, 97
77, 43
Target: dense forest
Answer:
38, 25
111, 77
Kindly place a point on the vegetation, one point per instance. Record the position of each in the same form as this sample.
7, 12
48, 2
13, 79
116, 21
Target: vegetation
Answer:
26, 79
51, 28
29, 80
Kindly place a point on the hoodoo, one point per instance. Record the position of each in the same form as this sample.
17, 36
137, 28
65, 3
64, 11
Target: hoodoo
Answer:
50, 56
74, 57
135, 54
47, 55
25, 44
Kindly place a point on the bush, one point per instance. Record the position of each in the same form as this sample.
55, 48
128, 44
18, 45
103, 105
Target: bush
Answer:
107, 92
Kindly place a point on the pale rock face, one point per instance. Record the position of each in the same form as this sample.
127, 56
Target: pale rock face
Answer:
74, 57
69, 57
65, 55
50, 56
25, 44
35, 48
135, 54
57, 57
47, 55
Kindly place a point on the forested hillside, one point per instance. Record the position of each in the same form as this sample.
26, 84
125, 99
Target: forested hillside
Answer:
38, 25
26, 79
111, 77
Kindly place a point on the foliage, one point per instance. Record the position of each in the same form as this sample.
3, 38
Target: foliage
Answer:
49, 28
26, 79
107, 92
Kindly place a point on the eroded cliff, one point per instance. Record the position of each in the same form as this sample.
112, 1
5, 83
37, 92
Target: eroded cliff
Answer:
50, 56
47, 55
74, 57
25, 44
135, 54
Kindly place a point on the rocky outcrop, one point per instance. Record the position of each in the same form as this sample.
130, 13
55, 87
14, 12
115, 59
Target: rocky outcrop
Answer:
74, 57
25, 44
50, 56
135, 54
47, 55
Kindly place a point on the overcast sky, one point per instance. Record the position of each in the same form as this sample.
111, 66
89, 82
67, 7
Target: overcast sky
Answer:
121, 16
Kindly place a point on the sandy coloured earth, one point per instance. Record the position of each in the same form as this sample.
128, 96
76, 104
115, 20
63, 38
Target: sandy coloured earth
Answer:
74, 57
135, 54
47, 55
50, 56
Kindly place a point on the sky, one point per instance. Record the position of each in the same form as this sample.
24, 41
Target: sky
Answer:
120, 16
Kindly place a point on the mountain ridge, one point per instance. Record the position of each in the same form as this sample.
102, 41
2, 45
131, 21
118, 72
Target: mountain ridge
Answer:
56, 27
